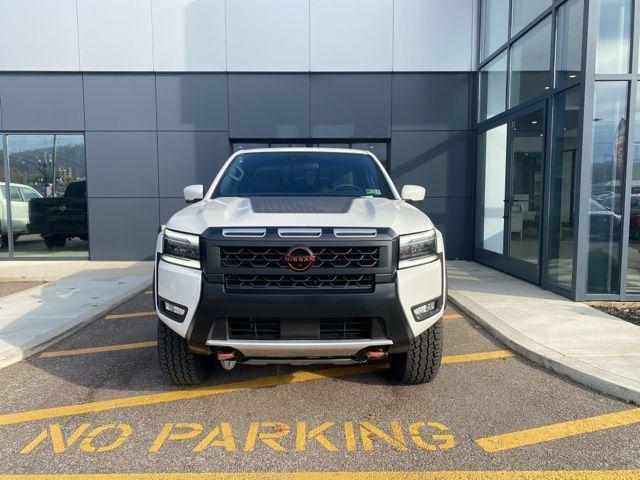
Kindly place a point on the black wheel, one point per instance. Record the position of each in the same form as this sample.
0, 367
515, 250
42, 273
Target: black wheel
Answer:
52, 241
421, 362
182, 366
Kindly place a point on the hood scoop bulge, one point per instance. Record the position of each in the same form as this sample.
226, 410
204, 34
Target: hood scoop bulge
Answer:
300, 204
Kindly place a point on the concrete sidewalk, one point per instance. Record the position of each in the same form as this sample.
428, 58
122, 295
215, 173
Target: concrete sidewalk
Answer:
79, 292
571, 338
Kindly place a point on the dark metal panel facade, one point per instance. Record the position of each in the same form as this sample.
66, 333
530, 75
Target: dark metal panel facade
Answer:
41, 102
192, 102
350, 105
186, 158
430, 101
267, 105
120, 102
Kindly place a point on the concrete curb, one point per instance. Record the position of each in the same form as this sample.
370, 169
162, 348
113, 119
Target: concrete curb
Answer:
601, 380
34, 319
44, 340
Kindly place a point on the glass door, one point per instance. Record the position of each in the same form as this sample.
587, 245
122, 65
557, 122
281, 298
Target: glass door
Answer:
523, 201
511, 194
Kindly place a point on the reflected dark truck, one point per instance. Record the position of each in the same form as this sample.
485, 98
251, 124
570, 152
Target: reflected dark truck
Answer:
58, 219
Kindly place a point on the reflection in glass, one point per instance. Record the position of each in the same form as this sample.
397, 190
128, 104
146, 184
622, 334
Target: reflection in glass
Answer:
493, 87
525, 11
530, 61
569, 42
633, 261
49, 200
493, 150
4, 222
614, 36
525, 199
566, 138
494, 26
605, 205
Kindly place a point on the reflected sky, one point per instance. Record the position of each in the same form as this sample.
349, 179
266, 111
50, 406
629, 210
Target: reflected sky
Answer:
19, 143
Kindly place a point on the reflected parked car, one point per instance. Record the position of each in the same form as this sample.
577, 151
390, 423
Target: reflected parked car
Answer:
60, 218
20, 195
604, 224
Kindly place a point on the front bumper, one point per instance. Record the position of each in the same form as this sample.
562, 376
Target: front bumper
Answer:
209, 305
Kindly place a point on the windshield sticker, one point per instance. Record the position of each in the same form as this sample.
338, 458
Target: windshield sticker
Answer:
372, 191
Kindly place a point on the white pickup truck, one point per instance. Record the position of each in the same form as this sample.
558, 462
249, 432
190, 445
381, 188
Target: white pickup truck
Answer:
300, 256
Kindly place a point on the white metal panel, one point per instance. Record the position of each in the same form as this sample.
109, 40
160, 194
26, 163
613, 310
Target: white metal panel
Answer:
433, 35
351, 35
115, 35
267, 35
38, 35
189, 35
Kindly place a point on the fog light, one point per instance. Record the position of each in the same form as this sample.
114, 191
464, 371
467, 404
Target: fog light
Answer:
176, 310
172, 310
425, 310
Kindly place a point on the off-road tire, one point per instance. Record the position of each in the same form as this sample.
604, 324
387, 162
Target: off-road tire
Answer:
421, 362
53, 241
177, 362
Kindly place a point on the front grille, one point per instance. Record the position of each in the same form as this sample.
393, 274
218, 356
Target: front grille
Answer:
273, 257
347, 328
355, 282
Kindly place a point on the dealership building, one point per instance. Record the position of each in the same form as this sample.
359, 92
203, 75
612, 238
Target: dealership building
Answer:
519, 117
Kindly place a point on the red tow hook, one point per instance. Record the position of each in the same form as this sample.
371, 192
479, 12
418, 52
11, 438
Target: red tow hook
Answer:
374, 353
226, 355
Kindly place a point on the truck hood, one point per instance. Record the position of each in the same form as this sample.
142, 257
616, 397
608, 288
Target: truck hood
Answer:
367, 212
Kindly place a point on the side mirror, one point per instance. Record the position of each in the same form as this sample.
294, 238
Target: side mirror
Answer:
413, 193
193, 193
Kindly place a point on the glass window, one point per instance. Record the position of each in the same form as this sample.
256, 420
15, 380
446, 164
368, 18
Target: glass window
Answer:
4, 221
530, 61
605, 206
48, 221
564, 156
493, 151
317, 174
493, 87
15, 194
614, 36
633, 261
569, 42
525, 180
494, 25
525, 11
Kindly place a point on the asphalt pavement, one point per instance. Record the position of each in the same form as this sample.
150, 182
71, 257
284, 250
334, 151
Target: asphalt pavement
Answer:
96, 402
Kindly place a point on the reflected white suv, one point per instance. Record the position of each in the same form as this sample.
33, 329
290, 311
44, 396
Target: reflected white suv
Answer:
300, 256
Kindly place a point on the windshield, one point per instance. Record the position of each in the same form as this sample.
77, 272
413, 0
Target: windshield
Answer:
303, 174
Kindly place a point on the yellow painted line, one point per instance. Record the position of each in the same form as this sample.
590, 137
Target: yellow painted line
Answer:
209, 390
103, 348
556, 431
359, 475
478, 356
130, 315
451, 316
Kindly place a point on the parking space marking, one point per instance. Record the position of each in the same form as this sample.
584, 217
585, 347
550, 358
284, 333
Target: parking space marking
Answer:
114, 316
174, 395
103, 348
477, 356
356, 475
556, 431
450, 316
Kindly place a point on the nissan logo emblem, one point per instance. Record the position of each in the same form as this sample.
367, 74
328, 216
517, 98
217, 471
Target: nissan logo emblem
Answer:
299, 258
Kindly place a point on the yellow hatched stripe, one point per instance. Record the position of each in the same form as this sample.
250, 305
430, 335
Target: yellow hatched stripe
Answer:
531, 436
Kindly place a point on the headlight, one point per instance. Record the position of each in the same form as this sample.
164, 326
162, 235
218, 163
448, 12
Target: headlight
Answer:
181, 249
417, 249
